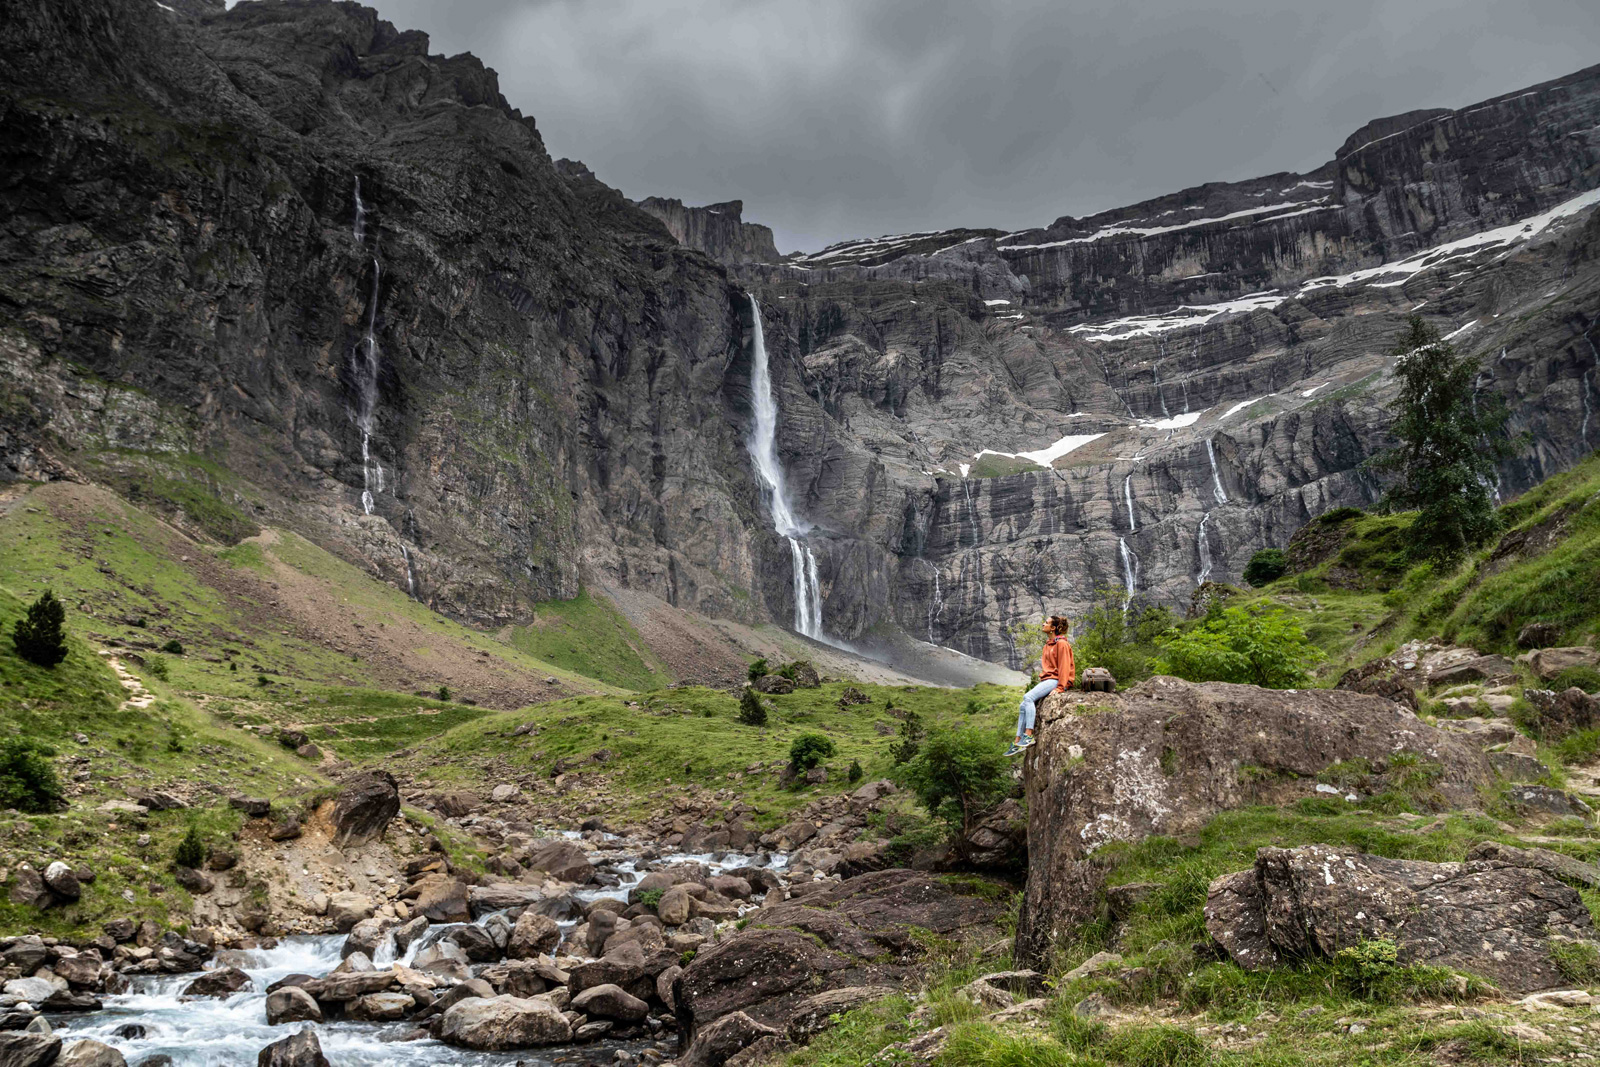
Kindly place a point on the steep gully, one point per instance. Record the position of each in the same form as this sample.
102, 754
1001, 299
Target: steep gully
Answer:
558, 387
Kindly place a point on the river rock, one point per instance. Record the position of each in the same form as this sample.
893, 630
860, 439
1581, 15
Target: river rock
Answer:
83, 971
476, 943
364, 807
367, 935
503, 1022
442, 899
407, 932
355, 961
89, 1053
301, 1050
33, 990
379, 1007
345, 987
517, 978
533, 935
676, 906
222, 982
443, 958
1164, 757
289, 1004
484, 899
610, 1002
1482, 916
346, 909
714, 1044
27, 953
28, 887
562, 860
21, 1049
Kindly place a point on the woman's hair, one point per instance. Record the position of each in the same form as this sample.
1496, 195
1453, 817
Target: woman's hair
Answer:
1060, 624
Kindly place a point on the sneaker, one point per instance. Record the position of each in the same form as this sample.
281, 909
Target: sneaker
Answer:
1027, 742
1016, 747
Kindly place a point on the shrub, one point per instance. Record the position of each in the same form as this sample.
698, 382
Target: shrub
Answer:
1338, 515
809, 750
905, 750
651, 898
1259, 646
758, 669
1265, 566
157, 667
262, 681
40, 635
856, 772
191, 850
958, 774
1585, 678
789, 671
751, 711
1119, 637
174, 646
444, 693
28, 779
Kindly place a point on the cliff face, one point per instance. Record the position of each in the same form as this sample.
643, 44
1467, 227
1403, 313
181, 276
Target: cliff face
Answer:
537, 382
718, 230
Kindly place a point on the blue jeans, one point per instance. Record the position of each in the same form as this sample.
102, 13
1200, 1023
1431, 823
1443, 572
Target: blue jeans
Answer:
1025, 715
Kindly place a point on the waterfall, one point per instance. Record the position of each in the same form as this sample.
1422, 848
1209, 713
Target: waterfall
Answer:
1130, 572
1216, 478
1155, 374
764, 451
366, 370
1203, 545
1127, 494
936, 605
411, 574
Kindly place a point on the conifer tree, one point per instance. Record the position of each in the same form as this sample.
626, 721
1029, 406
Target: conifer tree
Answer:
1450, 439
40, 636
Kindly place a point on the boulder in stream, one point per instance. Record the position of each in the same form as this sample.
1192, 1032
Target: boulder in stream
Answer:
222, 982
90, 1053
291, 1004
497, 1023
301, 1050
20, 1048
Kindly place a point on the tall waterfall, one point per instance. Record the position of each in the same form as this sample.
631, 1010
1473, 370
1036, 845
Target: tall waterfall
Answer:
1127, 495
365, 363
1130, 573
936, 605
1203, 546
1216, 478
764, 451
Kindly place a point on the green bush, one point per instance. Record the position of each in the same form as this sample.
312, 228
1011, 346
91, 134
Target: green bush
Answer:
1265, 566
28, 779
789, 671
191, 851
444, 694
157, 667
1118, 637
958, 774
40, 635
1338, 515
174, 646
905, 750
1585, 678
751, 711
809, 750
1258, 646
758, 669
651, 898
855, 772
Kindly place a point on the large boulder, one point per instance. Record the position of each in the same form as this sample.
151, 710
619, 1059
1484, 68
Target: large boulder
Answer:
63, 881
1563, 713
19, 1048
222, 982
1547, 663
364, 807
347, 908
1487, 917
291, 1004
1167, 755
562, 860
497, 1023
366, 936
716, 1043
90, 1053
533, 935
442, 899
28, 887
301, 1050
610, 1002
774, 684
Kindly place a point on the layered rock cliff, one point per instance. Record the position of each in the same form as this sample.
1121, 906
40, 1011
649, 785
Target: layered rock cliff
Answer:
279, 263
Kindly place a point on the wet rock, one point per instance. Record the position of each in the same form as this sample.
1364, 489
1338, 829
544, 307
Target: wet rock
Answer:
367, 935
610, 1002
407, 932
222, 982
442, 899
533, 935
502, 1022
355, 961
1163, 758
442, 958
465, 990
562, 860
364, 807
347, 986
301, 1050
714, 1044
348, 908
61, 880
1482, 916
379, 1007
21, 1049
291, 1004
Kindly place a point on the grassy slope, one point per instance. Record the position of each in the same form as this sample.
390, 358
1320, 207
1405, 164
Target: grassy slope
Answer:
588, 636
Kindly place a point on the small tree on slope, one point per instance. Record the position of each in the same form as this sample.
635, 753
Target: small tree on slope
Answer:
40, 636
1450, 441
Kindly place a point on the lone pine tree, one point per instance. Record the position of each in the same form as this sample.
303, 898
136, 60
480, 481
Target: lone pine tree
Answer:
40, 636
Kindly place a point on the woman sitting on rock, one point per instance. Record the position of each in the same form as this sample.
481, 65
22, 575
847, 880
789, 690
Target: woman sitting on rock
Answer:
1055, 669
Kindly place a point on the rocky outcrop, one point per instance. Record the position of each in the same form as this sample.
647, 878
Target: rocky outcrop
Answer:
1487, 917
718, 230
1167, 755
364, 807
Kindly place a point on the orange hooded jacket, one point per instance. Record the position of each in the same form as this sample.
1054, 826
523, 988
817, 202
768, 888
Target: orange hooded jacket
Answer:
1056, 662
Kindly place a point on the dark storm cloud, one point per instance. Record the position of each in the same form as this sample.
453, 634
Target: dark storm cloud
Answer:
847, 118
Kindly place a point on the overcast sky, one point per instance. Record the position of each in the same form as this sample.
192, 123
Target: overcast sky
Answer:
848, 118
